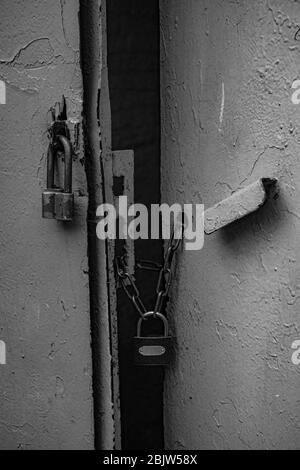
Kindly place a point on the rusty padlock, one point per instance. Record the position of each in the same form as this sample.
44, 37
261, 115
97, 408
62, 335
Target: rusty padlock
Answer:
58, 203
153, 350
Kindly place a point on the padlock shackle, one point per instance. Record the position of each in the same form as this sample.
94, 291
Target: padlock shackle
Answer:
50, 167
67, 150
151, 314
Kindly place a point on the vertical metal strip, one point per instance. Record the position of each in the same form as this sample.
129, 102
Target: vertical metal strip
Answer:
99, 175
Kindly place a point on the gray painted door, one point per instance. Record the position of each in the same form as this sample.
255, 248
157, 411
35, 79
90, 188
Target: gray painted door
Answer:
45, 386
230, 115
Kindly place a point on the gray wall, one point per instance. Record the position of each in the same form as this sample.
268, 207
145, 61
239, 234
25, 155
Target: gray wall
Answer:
227, 119
45, 387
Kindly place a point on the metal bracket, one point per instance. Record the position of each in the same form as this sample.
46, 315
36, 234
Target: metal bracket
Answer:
239, 204
59, 124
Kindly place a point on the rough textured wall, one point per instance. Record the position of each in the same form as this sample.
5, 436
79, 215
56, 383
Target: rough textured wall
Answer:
45, 387
227, 119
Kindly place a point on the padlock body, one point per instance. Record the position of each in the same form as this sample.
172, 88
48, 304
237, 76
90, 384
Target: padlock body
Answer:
152, 350
48, 203
64, 206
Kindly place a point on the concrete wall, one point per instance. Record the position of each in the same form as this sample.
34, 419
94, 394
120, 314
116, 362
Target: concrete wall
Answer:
227, 119
45, 387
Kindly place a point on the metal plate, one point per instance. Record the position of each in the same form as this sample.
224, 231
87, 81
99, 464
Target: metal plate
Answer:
152, 350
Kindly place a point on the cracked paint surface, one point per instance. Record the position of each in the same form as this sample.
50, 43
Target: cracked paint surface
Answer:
45, 386
234, 308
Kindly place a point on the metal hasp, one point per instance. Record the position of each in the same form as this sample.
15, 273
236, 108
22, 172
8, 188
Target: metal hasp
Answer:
152, 350
240, 204
58, 203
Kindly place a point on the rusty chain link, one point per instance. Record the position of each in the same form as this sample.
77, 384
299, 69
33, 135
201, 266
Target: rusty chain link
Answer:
129, 286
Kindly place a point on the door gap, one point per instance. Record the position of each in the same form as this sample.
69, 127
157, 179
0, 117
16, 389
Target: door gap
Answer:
134, 89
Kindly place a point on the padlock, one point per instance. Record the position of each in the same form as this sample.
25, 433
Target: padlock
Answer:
152, 350
58, 203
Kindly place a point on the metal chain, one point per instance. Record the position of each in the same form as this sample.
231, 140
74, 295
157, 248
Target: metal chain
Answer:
164, 279
166, 273
129, 286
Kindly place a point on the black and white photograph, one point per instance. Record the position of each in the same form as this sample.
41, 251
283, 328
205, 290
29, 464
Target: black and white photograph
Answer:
149, 228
